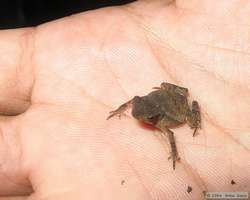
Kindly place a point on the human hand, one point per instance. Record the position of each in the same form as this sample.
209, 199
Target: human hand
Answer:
60, 80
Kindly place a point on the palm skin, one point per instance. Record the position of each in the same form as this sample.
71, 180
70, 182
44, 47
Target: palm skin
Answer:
77, 69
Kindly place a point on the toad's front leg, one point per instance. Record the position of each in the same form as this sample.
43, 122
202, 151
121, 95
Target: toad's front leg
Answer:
121, 109
194, 117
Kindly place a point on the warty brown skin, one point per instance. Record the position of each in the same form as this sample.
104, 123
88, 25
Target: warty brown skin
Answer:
166, 107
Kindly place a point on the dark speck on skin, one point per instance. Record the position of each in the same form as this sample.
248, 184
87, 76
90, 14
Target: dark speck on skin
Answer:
122, 182
189, 189
233, 182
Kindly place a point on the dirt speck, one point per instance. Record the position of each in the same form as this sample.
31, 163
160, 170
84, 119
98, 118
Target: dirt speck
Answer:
189, 189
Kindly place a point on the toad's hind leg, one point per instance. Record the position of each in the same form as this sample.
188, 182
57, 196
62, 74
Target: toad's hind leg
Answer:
120, 110
174, 153
194, 117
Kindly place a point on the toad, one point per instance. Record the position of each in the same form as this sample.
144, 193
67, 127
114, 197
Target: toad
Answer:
164, 108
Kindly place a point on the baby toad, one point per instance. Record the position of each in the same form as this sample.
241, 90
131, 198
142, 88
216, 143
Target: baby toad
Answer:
166, 107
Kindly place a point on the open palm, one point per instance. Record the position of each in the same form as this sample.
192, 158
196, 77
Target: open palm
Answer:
61, 79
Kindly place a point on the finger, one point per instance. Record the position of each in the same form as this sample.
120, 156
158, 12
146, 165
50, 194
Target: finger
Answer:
13, 176
224, 8
15, 70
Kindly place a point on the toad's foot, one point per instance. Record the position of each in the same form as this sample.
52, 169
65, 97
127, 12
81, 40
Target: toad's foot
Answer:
195, 130
194, 117
119, 111
174, 157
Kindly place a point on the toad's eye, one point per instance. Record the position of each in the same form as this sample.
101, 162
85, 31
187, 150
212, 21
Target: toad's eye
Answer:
153, 119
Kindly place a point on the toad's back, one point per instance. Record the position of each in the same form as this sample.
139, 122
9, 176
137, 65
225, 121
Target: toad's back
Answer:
170, 104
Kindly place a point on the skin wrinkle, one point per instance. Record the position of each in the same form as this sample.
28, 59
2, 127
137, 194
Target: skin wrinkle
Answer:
23, 168
183, 55
220, 129
85, 94
145, 28
125, 158
33, 68
27, 45
109, 66
153, 50
202, 68
3, 173
115, 76
103, 50
216, 75
129, 10
198, 180
221, 48
207, 15
138, 19
1, 166
216, 124
101, 47
201, 145
47, 196
148, 192
162, 66
84, 24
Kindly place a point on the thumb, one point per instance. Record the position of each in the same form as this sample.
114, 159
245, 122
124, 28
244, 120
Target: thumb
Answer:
15, 88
